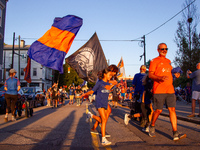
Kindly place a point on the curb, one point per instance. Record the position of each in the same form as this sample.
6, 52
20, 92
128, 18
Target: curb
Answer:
167, 115
183, 118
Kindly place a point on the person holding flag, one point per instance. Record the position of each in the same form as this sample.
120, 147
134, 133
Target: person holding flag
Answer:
102, 87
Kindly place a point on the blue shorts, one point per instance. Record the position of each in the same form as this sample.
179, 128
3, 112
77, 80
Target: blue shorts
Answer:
123, 94
101, 105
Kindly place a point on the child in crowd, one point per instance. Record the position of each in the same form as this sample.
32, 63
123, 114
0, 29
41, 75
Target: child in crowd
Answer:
78, 93
102, 87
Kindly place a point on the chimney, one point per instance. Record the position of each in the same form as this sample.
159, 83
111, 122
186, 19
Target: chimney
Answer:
22, 43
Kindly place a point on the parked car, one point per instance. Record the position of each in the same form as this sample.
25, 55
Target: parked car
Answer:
2, 99
34, 93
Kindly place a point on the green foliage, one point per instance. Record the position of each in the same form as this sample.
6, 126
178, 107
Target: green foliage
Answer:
68, 78
90, 84
188, 43
181, 81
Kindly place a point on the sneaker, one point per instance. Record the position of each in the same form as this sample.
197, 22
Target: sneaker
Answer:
143, 123
145, 129
6, 119
152, 132
105, 142
178, 136
126, 119
94, 132
106, 135
192, 115
13, 118
89, 115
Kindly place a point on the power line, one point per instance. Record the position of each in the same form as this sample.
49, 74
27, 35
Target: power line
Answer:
170, 18
137, 39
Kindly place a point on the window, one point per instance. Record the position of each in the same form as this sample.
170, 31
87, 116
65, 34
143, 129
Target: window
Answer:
1, 10
2, 6
34, 71
22, 71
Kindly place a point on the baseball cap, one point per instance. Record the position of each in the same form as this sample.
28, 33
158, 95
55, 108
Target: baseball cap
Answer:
13, 71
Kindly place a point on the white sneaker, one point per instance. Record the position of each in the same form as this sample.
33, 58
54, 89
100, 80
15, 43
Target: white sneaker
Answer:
106, 142
126, 119
145, 129
13, 118
89, 115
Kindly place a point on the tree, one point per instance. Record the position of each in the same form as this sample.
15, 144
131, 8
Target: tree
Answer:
187, 39
69, 78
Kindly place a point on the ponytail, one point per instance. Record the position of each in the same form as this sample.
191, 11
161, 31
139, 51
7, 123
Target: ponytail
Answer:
101, 73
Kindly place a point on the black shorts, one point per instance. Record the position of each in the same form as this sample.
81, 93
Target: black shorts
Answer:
160, 99
115, 98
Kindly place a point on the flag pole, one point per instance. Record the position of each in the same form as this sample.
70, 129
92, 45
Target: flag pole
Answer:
58, 77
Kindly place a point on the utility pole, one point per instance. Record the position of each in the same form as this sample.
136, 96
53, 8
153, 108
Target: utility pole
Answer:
13, 48
4, 66
19, 60
144, 50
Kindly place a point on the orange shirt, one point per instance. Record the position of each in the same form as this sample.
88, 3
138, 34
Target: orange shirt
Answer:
122, 90
162, 67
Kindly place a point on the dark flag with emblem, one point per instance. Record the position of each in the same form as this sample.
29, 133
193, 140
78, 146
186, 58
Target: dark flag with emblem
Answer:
88, 60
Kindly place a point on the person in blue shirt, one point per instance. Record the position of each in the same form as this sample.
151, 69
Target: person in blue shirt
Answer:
102, 88
11, 86
139, 89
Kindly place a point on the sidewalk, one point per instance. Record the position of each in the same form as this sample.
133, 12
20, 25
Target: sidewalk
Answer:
182, 110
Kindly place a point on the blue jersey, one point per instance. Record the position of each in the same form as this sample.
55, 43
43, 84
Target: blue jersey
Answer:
12, 85
101, 94
137, 81
71, 92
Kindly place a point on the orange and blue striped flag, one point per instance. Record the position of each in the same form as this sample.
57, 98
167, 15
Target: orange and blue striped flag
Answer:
51, 48
121, 69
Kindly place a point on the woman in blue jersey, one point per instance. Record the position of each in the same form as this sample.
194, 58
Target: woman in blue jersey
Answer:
102, 88
11, 86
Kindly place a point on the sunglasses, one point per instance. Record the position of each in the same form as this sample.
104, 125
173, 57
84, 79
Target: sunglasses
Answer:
164, 49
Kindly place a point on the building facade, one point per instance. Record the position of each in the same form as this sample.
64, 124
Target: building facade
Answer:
2, 30
41, 76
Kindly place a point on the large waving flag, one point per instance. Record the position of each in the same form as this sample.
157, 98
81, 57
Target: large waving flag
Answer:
121, 68
51, 48
88, 60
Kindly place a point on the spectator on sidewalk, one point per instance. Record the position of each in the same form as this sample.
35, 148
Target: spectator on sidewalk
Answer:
188, 92
55, 95
48, 97
195, 76
11, 86
115, 92
163, 90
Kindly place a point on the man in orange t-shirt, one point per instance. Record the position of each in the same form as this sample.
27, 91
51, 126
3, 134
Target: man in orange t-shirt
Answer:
163, 90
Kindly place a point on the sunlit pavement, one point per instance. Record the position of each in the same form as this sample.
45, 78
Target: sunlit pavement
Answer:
65, 128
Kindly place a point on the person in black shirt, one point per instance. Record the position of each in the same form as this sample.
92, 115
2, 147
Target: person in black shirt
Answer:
55, 95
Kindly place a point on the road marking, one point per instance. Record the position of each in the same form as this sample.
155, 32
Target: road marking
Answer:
95, 137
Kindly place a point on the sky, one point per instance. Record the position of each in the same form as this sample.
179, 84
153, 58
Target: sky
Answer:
116, 23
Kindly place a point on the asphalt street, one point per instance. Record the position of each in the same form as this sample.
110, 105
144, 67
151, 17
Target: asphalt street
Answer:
65, 128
